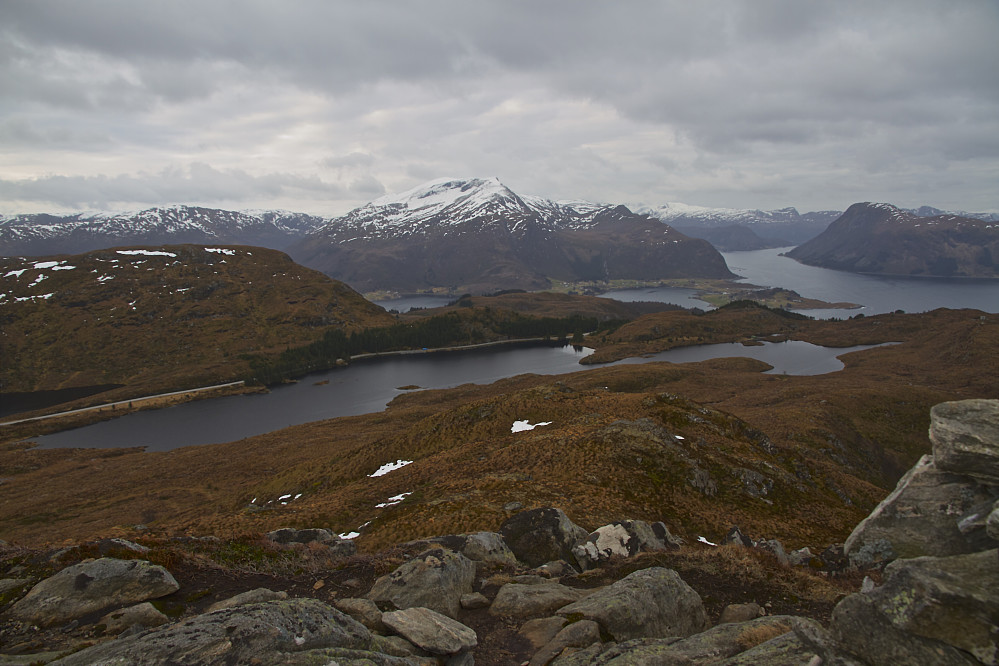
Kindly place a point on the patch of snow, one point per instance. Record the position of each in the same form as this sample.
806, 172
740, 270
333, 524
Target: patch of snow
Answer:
390, 467
392, 501
703, 540
16, 273
63, 268
220, 250
680, 438
147, 253
521, 426
349, 535
47, 264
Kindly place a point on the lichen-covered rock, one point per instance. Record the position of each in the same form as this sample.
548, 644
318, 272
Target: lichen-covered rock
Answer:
578, 635
624, 538
435, 579
529, 601
259, 595
635, 652
650, 603
785, 650
921, 517
427, 629
965, 436
258, 633
90, 587
541, 535
144, 615
487, 547
727, 640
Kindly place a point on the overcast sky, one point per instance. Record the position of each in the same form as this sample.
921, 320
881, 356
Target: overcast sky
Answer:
320, 106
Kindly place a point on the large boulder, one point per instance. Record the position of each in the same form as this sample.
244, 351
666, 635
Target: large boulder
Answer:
487, 547
90, 587
431, 631
541, 535
624, 538
965, 436
921, 517
258, 633
650, 603
435, 579
528, 601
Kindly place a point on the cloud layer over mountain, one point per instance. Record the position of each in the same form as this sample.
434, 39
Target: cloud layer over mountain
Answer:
322, 106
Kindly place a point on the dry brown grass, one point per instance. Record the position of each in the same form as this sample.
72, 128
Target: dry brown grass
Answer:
753, 636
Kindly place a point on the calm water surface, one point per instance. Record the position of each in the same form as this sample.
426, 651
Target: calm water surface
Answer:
368, 385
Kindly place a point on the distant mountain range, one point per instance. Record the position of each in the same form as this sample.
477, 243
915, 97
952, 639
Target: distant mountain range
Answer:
477, 235
880, 238
453, 234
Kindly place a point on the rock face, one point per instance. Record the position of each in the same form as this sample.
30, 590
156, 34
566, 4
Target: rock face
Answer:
90, 587
651, 603
965, 436
622, 539
941, 506
931, 609
541, 535
435, 579
260, 633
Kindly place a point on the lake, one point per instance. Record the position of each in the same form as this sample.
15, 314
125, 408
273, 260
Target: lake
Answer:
368, 385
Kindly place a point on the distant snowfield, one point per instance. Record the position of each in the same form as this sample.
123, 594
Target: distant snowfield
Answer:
390, 467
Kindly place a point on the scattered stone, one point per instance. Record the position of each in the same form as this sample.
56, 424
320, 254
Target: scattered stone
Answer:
556, 569
650, 603
578, 634
513, 506
735, 537
431, 631
259, 595
92, 586
804, 557
728, 640
339, 547
488, 547
740, 613
775, 548
108, 546
635, 652
540, 631
258, 633
531, 579
364, 611
541, 535
435, 579
965, 436
527, 601
622, 539
144, 615
473, 601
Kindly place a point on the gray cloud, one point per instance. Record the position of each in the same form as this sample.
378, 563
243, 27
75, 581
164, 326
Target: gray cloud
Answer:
736, 103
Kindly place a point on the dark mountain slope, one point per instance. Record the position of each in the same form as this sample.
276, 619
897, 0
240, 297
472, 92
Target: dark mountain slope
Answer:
880, 238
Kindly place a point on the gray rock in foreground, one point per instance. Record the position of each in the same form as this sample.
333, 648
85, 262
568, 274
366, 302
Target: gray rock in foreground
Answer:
529, 601
650, 603
90, 587
258, 633
435, 579
435, 633
541, 535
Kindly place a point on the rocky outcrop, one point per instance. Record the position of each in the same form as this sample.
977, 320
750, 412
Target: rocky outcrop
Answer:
940, 507
541, 535
435, 579
90, 587
290, 535
624, 538
939, 609
653, 603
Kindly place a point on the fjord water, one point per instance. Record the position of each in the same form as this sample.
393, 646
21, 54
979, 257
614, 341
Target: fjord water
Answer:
368, 385
877, 294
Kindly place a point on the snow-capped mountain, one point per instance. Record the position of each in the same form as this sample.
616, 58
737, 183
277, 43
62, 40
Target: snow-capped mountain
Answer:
478, 235
881, 238
40, 234
774, 228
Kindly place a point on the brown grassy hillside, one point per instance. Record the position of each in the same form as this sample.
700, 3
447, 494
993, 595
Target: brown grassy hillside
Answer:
156, 318
802, 459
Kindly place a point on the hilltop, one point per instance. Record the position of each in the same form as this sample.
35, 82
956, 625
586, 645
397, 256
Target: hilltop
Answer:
163, 317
